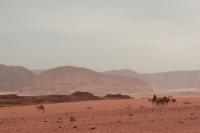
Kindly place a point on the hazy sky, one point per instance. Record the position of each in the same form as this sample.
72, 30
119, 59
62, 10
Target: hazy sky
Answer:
143, 35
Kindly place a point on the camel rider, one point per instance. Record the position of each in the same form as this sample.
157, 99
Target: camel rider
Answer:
154, 96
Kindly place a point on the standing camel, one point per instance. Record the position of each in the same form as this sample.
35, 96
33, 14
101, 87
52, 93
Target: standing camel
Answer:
172, 100
154, 99
40, 107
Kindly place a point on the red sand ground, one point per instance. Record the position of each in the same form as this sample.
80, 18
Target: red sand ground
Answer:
106, 116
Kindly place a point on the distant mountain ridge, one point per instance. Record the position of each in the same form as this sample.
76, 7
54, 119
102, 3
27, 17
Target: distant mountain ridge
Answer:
166, 80
174, 79
13, 78
68, 79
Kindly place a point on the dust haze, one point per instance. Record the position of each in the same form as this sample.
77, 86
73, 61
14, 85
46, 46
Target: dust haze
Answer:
99, 66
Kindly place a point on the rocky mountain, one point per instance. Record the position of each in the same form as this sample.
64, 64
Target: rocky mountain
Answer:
68, 79
165, 80
13, 78
173, 79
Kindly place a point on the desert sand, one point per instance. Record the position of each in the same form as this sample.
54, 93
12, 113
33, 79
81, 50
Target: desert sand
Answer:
104, 116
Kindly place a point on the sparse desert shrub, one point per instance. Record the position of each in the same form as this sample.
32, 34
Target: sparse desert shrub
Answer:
75, 126
197, 106
187, 102
141, 106
191, 114
92, 128
128, 107
88, 107
72, 119
130, 114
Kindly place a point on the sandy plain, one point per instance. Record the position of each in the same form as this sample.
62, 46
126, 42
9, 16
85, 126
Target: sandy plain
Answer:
104, 116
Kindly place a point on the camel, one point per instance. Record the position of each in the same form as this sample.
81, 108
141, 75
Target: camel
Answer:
173, 100
153, 100
162, 100
166, 100
40, 107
